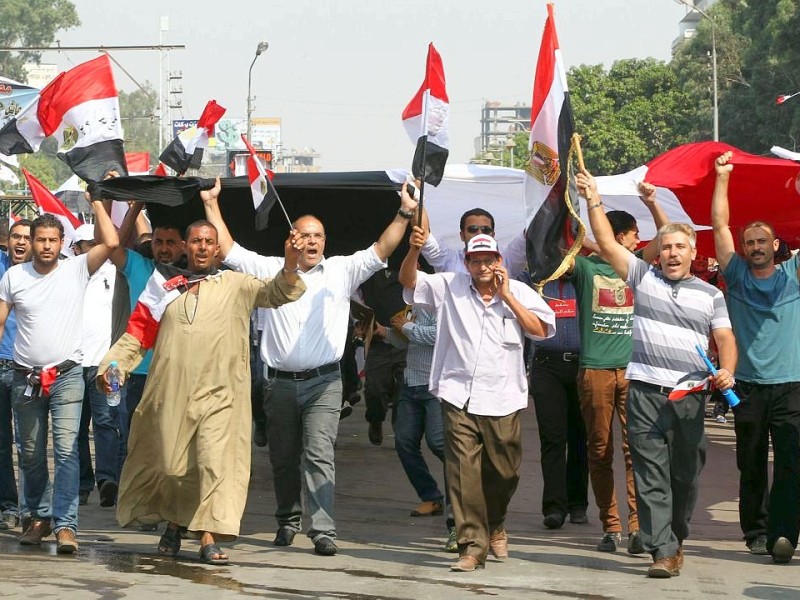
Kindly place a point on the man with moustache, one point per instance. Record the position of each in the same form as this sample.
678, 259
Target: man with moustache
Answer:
764, 301
479, 374
189, 451
673, 312
47, 296
19, 251
302, 345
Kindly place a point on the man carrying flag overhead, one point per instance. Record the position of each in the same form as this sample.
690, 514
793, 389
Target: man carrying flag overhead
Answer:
427, 121
81, 108
675, 312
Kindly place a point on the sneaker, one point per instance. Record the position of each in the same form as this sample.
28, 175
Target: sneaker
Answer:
325, 546
758, 545
635, 545
346, 411
721, 419
8, 521
782, 551
610, 541
452, 541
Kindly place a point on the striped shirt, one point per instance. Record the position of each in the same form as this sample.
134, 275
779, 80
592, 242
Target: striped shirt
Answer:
421, 334
670, 318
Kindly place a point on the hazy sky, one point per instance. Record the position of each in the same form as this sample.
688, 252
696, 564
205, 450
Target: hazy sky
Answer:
339, 74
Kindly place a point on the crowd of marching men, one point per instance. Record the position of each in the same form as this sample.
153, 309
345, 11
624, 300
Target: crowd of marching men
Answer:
207, 336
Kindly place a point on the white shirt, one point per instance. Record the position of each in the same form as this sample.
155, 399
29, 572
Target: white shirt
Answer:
97, 314
312, 331
478, 352
450, 260
49, 311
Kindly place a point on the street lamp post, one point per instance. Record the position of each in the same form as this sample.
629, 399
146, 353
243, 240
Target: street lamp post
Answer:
262, 46
713, 61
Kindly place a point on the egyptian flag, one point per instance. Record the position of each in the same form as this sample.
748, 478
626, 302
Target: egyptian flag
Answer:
761, 187
46, 202
12, 218
427, 121
161, 170
264, 194
81, 108
186, 150
165, 285
699, 381
550, 230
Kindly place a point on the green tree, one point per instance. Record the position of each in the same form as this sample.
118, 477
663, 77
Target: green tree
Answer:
31, 23
45, 165
138, 110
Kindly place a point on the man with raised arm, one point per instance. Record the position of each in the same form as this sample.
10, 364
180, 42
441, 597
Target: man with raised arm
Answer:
47, 296
764, 301
673, 313
301, 345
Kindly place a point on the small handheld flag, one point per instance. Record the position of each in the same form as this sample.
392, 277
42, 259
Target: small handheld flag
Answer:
730, 395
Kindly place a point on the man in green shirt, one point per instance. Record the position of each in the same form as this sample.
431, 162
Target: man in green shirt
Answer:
605, 315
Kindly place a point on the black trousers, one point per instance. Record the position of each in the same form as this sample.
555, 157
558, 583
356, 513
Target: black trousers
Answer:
383, 379
768, 411
562, 434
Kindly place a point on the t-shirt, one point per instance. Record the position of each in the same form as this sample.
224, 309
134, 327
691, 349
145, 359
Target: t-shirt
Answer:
10, 330
605, 314
97, 314
49, 311
671, 318
137, 271
766, 319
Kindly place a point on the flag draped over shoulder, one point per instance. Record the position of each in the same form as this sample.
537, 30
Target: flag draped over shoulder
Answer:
550, 230
48, 203
186, 150
427, 121
81, 108
165, 285
264, 194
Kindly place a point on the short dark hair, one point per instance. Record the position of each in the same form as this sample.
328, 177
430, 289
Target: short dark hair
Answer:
199, 223
475, 212
46, 221
20, 223
168, 226
621, 221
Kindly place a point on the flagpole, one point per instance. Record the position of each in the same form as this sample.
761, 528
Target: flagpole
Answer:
422, 181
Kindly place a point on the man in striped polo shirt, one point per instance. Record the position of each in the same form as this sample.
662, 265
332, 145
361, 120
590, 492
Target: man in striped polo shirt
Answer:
673, 312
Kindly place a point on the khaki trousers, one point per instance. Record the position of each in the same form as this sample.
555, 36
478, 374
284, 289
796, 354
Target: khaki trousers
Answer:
482, 460
602, 393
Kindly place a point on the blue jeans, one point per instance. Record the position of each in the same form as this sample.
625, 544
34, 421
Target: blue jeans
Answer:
105, 427
302, 421
419, 413
131, 396
9, 500
58, 501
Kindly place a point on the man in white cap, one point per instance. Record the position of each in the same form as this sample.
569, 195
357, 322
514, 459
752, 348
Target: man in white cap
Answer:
97, 338
479, 374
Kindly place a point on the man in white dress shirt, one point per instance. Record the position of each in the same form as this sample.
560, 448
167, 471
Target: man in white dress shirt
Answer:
301, 345
479, 374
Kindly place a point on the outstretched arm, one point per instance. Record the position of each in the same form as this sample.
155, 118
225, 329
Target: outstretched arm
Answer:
720, 211
610, 250
408, 270
391, 236
105, 235
647, 192
210, 200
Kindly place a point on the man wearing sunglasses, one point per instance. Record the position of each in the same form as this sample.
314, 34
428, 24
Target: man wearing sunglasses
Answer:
473, 222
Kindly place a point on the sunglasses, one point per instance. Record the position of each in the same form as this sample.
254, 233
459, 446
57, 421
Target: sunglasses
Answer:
482, 228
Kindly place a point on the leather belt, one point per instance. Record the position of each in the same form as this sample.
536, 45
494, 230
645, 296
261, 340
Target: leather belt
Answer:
659, 388
303, 375
565, 356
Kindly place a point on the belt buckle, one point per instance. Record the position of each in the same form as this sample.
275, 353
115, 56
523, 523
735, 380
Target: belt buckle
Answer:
298, 376
568, 356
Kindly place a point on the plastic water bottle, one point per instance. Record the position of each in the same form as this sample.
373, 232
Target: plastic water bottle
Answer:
113, 396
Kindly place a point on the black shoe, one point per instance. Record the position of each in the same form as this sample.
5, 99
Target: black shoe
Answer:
553, 521
285, 536
83, 497
346, 411
375, 433
325, 546
578, 517
354, 398
635, 545
782, 551
108, 493
260, 435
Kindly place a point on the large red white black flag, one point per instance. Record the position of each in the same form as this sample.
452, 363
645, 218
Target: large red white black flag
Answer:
81, 108
427, 121
186, 150
550, 228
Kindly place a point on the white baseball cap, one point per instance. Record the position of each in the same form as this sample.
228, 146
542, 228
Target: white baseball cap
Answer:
482, 243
